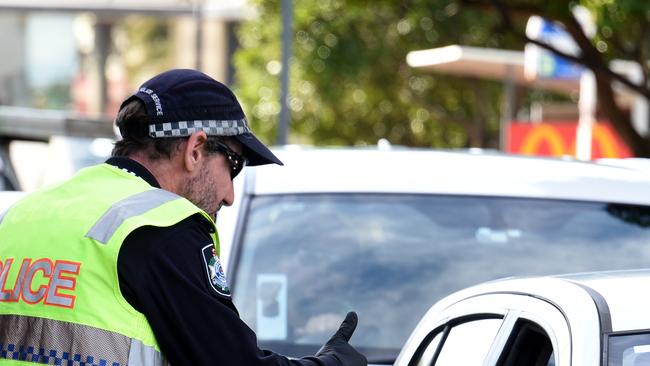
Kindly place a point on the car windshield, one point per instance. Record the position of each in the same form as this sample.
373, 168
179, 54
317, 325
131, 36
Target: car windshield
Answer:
629, 349
305, 260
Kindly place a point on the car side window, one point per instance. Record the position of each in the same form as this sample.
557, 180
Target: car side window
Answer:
430, 350
527, 345
629, 349
466, 343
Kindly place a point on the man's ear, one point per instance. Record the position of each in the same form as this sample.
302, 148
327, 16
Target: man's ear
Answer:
193, 153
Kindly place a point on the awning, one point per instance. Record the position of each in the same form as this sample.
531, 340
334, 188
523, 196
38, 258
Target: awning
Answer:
483, 63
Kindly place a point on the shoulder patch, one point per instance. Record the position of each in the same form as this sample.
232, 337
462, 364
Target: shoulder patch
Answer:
214, 271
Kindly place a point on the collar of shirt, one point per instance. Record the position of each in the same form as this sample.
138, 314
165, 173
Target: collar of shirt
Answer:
135, 168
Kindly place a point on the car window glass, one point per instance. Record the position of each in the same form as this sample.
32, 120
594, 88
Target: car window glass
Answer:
528, 345
427, 356
629, 350
468, 343
306, 259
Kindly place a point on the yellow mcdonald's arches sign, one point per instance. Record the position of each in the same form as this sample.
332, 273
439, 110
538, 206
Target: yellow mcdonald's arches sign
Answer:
604, 138
544, 133
558, 139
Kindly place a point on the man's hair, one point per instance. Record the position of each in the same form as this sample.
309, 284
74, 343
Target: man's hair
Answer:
133, 123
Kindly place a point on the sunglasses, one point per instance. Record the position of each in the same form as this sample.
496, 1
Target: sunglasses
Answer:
236, 161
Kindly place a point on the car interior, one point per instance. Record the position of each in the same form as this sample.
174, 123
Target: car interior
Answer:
528, 345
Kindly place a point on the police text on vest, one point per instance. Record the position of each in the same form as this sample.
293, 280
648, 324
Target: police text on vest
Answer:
41, 280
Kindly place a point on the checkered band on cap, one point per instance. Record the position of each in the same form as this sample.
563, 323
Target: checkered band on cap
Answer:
210, 127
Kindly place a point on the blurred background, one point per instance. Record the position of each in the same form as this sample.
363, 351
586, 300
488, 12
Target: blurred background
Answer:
526, 77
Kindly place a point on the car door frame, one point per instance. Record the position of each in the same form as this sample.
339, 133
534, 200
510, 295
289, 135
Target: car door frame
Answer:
511, 307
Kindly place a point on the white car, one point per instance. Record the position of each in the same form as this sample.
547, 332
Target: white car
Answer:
387, 232
7, 198
642, 164
590, 319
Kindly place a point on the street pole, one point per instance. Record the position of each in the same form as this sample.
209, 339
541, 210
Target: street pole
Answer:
287, 20
507, 107
103, 30
198, 34
8, 176
587, 111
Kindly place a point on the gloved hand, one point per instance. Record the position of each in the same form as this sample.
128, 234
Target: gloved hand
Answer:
339, 347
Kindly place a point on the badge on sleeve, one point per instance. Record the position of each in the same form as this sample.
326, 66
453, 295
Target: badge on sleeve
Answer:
214, 270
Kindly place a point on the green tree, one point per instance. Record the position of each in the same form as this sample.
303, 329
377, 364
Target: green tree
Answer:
623, 32
143, 42
350, 84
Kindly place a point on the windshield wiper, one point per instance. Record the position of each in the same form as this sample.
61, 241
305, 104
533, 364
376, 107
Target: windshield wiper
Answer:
381, 360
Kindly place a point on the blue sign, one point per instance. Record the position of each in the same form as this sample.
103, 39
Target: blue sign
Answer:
549, 65
552, 66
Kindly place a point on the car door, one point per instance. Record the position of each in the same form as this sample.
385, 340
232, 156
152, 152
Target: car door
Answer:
462, 341
496, 330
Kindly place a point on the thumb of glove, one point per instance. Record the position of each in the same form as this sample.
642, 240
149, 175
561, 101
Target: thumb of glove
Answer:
347, 327
338, 346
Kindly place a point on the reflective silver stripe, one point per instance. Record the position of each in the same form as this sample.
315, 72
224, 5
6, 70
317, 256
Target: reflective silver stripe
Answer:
129, 207
142, 355
53, 342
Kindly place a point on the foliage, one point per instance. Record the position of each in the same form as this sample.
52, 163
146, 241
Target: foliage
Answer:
350, 84
55, 96
622, 32
623, 28
144, 44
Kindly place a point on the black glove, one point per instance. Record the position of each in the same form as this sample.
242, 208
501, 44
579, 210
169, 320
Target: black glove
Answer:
339, 347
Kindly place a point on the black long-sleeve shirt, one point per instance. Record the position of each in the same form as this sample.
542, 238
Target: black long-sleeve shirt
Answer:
163, 274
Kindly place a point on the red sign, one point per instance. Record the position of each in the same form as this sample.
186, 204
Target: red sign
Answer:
559, 139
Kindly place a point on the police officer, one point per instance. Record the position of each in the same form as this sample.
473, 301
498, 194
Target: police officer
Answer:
119, 265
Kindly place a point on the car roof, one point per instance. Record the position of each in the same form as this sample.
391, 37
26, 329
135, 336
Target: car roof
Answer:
426, 171
641, 164
618, 295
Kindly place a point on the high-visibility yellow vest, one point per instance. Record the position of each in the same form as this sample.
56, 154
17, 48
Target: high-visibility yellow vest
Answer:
60, 296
